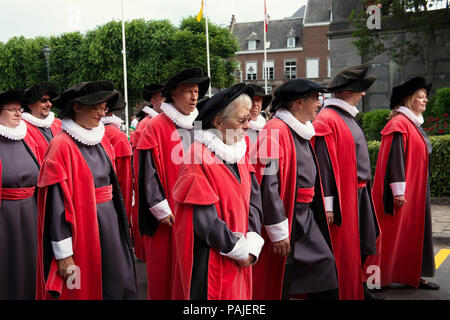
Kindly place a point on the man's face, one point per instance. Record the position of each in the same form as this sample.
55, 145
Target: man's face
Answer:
41, 108
156, 100
256, 107
185, 98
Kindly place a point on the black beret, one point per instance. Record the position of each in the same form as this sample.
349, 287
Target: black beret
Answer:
150, 89
259, 92
192, 75
119, 105
293, 90
352, 79
35, 92
220, 100
408, 88
11, 95
88, 93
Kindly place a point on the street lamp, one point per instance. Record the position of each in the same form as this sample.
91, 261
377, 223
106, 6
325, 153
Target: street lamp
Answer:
46, 51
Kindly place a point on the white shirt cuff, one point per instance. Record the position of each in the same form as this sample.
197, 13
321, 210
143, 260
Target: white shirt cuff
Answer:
398, 188
255, 243
328, 203
240, 250
161, 210
62, 249
279, 231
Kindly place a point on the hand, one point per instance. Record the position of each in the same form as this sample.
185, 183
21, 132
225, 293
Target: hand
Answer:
330, 217
247, 262
63, 265
399, 201
282, 247
169, 220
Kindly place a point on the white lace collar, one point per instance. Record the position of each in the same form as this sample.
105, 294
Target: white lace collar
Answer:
229, 153
88, 137
343, 105
258, 124
306, 131
41, 123
417, 120
150, 112
114, 120
181, 120
17, 133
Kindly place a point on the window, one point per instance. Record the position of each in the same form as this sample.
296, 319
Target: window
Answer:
251, 69
290, 69
251, 44
270, 69
291, 42
312, 68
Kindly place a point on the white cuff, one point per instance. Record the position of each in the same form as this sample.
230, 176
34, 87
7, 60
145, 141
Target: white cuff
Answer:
240, 250
161, 210
279, 231
328, 203
398, 188
62, 249
255, 244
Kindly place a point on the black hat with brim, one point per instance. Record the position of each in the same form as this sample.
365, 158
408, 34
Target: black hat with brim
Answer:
189, 76
119, 105
150, 89
353, 79
11, 95
88, 93
220, 100
259, 92
293, 90
35, 92
408, 88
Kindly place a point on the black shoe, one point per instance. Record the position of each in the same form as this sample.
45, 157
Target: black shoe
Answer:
369, 295
427, 285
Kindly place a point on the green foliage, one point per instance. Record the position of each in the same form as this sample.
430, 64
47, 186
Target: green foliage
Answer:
373, 122
440, 175
437, 113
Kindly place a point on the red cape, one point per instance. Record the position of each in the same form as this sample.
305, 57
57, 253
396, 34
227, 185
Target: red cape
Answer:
64, 164
39, 138
123, 153
201, 182
161, 137
401, 243
345, 238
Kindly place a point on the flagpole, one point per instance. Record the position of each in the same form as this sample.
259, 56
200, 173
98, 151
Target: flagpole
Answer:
124, 54
207, 47
264, 46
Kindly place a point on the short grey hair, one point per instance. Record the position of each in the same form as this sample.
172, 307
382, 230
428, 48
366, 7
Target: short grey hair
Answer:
243, 99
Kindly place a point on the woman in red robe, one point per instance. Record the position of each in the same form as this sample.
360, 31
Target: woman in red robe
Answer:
401, 191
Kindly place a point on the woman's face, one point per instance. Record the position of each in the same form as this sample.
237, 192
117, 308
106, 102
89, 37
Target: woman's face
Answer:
89, 117
10, 114
419, 102
233, 126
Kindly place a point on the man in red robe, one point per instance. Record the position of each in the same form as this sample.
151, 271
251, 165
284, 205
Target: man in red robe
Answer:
40, 120
344, 163
161, 150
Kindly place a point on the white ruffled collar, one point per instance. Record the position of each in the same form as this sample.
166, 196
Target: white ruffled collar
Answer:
181, 120
17, 133
229, 153
417, 120
306, 131
150, 112
41, 123
88, 137
343, 105
258, 124
114, 120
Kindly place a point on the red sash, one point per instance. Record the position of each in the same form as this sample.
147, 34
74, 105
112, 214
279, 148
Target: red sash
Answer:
305, 195
103, 194
16, 193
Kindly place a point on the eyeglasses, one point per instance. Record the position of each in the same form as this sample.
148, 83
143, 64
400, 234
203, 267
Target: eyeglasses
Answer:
14, 110
100, 109
45, 100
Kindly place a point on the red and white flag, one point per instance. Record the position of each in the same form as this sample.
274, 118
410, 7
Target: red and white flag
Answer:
266, 17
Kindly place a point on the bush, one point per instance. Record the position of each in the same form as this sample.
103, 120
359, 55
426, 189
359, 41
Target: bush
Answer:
440, 175
436, 114
373, 122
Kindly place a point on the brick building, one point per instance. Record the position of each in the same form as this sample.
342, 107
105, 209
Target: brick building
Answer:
297, 46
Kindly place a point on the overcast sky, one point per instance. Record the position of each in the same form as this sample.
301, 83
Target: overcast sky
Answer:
31, 18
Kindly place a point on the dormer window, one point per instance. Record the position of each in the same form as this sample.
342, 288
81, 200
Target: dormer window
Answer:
251, 45
291, 42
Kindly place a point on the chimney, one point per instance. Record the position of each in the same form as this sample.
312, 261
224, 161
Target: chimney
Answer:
232, 23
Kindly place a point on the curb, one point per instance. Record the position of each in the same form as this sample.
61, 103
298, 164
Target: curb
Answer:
440, 201
440, 239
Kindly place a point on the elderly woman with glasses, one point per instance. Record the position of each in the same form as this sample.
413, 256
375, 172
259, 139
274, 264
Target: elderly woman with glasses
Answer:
19, 170
218, 204
84, 246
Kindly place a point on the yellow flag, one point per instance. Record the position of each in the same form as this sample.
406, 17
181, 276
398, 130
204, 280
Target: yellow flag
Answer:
200, 14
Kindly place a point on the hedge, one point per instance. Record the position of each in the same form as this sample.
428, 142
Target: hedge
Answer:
440, 173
